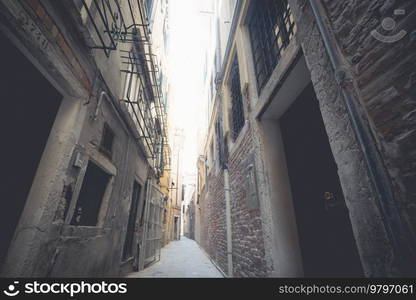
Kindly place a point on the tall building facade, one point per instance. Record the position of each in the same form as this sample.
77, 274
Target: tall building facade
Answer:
307, 163
85, 97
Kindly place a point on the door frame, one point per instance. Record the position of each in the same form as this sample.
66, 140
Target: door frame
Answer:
285, 247
36, 219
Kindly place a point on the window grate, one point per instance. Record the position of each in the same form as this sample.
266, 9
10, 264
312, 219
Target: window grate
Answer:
142, 96
107, 19
237, 108
114, 21
271, 27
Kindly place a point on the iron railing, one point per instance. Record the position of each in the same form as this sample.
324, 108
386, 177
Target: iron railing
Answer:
115, 22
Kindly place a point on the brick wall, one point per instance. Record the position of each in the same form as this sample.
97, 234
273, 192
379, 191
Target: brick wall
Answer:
215, 219
56, 39
247, 234
386, 76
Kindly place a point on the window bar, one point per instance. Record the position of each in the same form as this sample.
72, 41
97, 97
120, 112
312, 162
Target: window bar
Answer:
271, 28
143, 128
237, 107
149, 114
106, 49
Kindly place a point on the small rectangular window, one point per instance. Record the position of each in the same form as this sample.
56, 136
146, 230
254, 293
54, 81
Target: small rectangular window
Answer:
107, 139
91, 196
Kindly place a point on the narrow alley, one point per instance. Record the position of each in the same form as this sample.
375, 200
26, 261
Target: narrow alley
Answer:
180, 259
208, 138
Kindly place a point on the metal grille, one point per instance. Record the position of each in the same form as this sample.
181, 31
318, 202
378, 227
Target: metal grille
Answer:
237, 109
107, 19
142, 97
154, 226
271, 26
221, 142
114, 21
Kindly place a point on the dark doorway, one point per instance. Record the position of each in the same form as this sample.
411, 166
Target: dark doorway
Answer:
175, 228
325, 234
128, 241
29, 104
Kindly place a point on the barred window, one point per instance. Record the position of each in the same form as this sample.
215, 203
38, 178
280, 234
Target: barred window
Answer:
271, 27
237, 108
221, 142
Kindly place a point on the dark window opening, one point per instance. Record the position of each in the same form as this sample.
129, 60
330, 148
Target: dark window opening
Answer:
271, 27
143, 212
107, 139
134, 205
237, 108
29, 107
91, 196
183, 193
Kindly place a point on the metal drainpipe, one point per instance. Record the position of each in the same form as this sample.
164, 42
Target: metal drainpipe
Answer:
380, 180
100, 100
228, 222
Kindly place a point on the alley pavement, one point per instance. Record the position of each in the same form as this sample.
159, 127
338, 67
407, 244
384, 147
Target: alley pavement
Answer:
183, 258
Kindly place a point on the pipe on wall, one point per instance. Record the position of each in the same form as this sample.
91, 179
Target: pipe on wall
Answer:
228, 222
380, 180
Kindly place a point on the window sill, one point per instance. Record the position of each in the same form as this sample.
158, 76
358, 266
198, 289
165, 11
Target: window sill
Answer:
127, 261
236, 144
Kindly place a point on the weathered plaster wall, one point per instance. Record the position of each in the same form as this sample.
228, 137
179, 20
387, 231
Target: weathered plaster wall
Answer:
44, 243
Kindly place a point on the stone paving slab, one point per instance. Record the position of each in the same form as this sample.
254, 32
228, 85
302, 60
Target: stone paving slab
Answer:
180, 259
